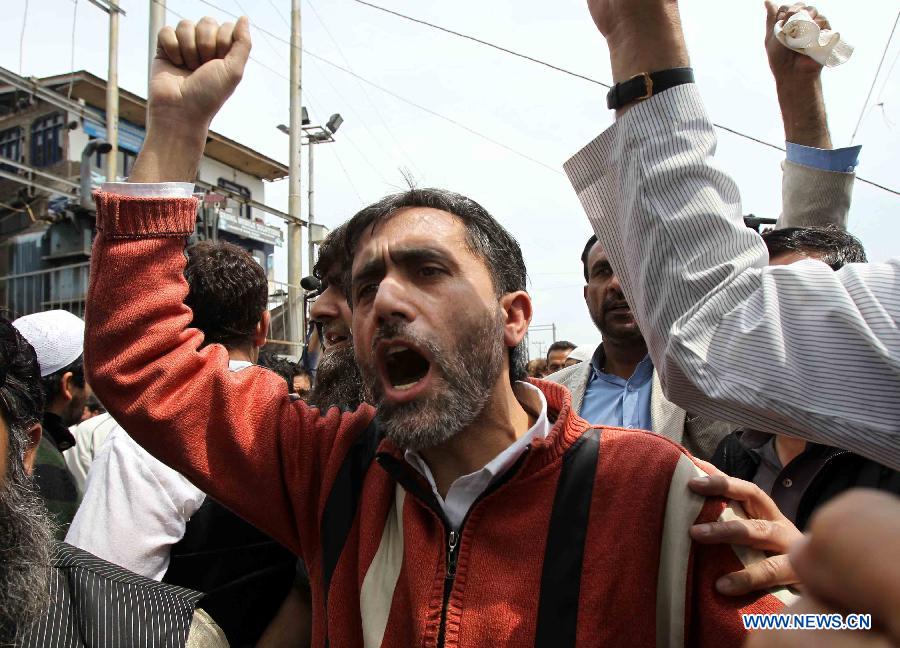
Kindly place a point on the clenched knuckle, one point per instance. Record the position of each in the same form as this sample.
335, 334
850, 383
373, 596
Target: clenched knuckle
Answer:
760, 528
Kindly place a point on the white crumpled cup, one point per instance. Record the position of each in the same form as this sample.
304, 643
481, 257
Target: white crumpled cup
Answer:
801, 34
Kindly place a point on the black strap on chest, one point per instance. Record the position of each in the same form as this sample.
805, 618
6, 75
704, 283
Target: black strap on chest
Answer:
342, 504
557, 620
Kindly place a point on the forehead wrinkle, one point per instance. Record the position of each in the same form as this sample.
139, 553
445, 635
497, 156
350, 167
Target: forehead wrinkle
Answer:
433, 223
405, 255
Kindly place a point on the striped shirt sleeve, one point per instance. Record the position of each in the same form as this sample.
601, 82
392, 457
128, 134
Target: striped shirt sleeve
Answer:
798, 350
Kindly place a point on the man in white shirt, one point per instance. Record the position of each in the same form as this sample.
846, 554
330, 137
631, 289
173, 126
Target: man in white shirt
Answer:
139, 513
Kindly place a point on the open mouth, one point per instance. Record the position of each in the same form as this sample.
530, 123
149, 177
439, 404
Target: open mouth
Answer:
404, 367
335, 335
334, 339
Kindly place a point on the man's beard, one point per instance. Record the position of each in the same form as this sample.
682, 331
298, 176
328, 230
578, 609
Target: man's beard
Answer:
26, 545
338, 381
631, 336
469, 373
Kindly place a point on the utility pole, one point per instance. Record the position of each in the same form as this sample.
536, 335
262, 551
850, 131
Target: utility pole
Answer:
112, 93
311, 214
157, 22
297, 317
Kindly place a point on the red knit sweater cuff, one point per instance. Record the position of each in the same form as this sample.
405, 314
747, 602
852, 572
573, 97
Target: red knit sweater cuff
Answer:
124, 217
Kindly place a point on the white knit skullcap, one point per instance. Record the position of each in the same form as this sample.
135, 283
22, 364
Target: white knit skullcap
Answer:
582, 353
57, 337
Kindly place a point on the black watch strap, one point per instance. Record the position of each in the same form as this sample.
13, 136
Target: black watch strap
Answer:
645, 85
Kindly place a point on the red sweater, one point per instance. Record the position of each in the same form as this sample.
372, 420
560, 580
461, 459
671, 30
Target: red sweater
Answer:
584, 541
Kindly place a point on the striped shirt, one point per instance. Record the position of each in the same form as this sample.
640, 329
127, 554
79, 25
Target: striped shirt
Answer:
798, 349
95, 603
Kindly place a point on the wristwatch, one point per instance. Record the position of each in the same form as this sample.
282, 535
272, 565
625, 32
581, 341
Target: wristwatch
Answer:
645, 85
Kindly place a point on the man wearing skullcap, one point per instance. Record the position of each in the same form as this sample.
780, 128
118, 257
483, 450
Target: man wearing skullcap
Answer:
58, 340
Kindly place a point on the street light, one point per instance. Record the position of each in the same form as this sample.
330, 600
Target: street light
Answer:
94, 146
334, 122
314, 134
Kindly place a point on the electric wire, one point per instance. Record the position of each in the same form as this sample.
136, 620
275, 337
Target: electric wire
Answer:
286, 78
345, 137
875, 79
391, 93
605, 85
888, 76
485, 43
265, 37
490, 139
403, 152
350, 105
22, 37
72, 52
280, 15
340, 162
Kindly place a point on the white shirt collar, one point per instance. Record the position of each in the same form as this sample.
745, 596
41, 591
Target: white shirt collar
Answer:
466, 489
237, 365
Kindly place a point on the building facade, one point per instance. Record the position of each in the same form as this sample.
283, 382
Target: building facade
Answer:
50, 135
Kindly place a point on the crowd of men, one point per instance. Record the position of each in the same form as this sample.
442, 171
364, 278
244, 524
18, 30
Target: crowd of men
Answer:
165, 481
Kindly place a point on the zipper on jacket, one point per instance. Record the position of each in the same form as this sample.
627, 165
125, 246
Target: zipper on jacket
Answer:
452, 547
449, 578
398, 472
453, 539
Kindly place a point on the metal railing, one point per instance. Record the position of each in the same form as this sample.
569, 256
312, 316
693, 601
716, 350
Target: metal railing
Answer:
62, 287
279, 313
65, 288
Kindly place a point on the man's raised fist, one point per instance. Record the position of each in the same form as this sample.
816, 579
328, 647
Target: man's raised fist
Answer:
197, 67
783, 61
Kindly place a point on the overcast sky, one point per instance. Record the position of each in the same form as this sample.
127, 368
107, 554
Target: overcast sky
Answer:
540, 113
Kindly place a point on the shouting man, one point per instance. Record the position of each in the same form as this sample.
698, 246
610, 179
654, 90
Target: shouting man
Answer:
416, 516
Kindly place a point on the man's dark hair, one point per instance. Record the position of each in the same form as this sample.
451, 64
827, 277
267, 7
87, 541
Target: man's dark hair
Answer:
282, 366
834, 245
52, 383
329, 266
21, 392
584, 256
94, 405
228, 292
562, 345
485, 237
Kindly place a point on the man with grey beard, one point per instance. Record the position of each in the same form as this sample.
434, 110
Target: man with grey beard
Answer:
338, 380
26, 533
52, 594
338, 383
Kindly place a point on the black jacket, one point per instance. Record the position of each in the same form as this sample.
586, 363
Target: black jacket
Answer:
243, 573
842, 471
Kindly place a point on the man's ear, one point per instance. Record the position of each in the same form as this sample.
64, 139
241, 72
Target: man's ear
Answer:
262, 330
65, 386
34, 439
517, 310
585, 293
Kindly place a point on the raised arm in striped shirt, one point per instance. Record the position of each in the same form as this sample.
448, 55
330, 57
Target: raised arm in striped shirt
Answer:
798, 350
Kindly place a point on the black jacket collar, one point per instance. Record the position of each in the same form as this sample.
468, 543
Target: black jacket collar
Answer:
57, 432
